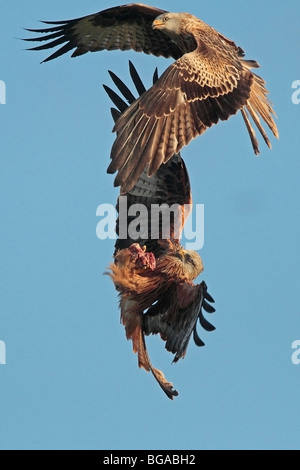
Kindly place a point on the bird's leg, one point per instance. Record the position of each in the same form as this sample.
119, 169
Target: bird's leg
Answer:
144, 361
131, 318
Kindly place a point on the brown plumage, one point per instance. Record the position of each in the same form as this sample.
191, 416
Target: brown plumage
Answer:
209, 81
154, 275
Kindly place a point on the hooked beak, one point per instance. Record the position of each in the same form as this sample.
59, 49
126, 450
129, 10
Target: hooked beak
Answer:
157, 23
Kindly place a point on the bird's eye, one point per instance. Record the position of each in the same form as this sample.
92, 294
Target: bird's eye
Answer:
189, 259
166, 18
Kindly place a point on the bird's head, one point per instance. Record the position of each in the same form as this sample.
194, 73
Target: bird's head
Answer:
178, 27
193, 263
190, 262
168, 22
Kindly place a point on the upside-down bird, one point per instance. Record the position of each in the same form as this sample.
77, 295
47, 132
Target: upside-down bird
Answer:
209, 81
154, 275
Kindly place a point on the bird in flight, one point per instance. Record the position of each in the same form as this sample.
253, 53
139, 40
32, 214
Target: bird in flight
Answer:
154, 275
209, 81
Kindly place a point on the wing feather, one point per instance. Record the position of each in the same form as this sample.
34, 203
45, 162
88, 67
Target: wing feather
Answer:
174, 323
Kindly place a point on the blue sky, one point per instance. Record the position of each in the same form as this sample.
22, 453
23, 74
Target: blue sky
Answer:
71, 380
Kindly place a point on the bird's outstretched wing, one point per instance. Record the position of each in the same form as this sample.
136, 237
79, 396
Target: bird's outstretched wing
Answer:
185, 101
163, 201
123, 27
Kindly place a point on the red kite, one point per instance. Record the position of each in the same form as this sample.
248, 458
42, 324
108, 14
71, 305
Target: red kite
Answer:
154, 277
208, 82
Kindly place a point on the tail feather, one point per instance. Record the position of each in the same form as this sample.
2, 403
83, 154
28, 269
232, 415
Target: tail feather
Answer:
259, 105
